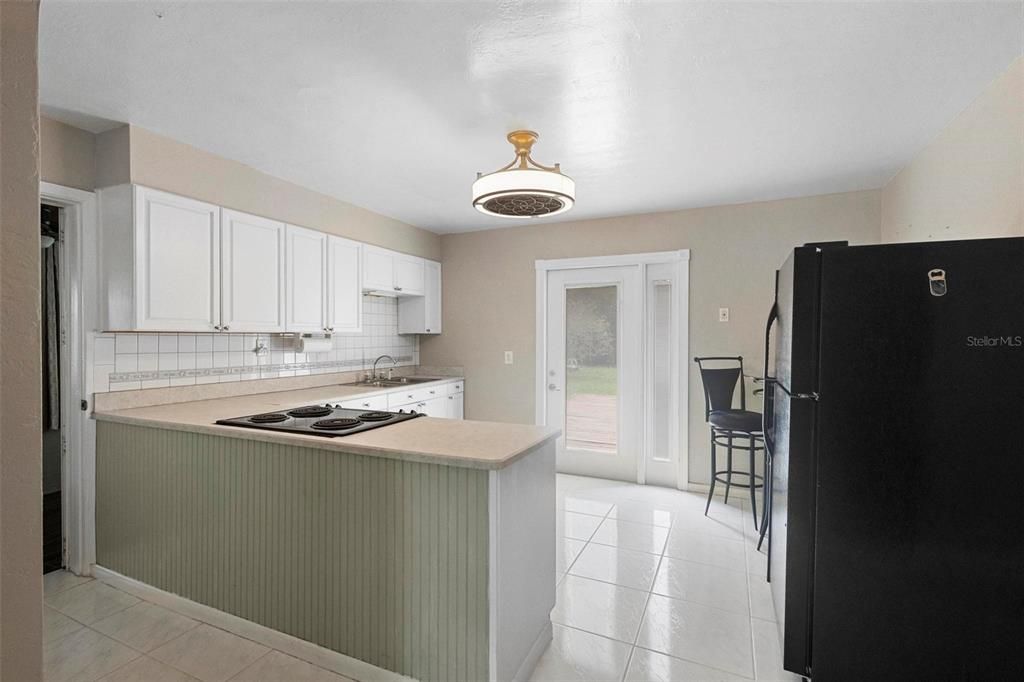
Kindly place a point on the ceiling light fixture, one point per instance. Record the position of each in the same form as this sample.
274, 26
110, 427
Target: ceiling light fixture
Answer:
524, 188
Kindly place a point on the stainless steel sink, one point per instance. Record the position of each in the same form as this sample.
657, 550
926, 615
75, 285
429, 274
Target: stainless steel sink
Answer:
391, 383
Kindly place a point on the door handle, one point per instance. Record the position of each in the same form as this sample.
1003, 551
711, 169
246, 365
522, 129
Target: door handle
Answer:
552, 387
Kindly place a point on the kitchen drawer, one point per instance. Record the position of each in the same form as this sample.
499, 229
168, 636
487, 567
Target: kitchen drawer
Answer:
377, 402
455, 387
414, 395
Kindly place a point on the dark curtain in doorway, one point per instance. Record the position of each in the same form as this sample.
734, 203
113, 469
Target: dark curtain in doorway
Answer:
51, 339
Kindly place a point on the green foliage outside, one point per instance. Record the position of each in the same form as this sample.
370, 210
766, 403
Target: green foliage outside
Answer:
593, 381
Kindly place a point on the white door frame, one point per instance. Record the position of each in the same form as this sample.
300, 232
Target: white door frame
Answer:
681, 260
78, 313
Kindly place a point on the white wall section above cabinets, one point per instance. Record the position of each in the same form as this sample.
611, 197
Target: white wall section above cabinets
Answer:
170, 263
306, 280
252, 273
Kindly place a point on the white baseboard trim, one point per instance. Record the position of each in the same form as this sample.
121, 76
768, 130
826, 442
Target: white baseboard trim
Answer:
540, 645
293, 646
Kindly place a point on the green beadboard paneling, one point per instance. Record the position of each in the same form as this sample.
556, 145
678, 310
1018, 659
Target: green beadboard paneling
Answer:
379, 559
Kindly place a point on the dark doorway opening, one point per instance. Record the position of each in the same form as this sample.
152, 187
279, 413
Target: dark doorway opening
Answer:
53, 434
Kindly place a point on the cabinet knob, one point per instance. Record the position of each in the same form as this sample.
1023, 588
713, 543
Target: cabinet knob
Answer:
398, 288
217, 327
225, 328
428, 330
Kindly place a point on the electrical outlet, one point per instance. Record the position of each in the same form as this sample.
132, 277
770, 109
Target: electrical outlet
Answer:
723, 314
508, 357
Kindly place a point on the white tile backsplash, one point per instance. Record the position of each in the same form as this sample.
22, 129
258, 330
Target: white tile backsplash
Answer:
129, 361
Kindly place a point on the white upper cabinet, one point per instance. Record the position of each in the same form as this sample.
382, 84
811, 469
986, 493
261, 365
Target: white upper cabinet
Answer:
422, 314
391, 273
344, 290
160, 261
306, 280
252, 273
170, 263
378, 269
409, 275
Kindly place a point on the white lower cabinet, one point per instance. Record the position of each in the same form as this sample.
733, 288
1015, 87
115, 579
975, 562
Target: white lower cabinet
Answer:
435, 407
455, 406
442, 400
377, 402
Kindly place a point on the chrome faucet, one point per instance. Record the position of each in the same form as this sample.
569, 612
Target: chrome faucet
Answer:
390, 369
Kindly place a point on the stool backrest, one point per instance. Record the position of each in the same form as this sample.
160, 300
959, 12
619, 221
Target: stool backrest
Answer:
720, 382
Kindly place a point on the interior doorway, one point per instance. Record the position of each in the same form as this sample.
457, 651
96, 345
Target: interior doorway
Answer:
53, 339
68, 305
611, 348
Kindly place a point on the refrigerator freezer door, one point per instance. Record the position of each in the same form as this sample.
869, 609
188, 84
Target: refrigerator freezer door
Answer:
919, 552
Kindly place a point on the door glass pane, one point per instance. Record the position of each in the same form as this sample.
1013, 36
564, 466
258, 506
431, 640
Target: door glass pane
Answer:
661, 376
591, 358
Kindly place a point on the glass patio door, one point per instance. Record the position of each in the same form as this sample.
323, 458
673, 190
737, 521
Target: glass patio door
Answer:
593, 369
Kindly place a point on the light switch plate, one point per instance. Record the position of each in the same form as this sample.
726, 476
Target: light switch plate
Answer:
508, 357
723, 314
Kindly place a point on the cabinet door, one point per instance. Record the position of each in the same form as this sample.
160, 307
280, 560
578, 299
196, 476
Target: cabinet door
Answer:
455, 406
252, 273
177, 262
432, 297
344, 285
378, 269
306, 280
409, 273
435, 407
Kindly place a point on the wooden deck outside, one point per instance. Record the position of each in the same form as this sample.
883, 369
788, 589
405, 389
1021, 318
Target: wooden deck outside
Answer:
591, 422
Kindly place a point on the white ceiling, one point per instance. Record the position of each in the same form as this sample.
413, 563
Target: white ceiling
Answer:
649, 106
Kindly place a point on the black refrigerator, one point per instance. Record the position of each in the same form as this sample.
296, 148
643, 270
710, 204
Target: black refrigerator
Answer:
895, 420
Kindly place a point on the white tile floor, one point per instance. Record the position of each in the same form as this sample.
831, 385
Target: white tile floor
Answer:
651, 589
648, 589
93, 631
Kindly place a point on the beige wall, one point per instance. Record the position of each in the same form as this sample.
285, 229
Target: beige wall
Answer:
21, 569
166, 164
969, 182
77, 158
67, 155
489, 288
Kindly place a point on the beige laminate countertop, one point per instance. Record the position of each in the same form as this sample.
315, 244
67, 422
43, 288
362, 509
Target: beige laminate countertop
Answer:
453, 442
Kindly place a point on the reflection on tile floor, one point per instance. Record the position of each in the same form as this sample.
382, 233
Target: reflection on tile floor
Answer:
93, 631
650, 589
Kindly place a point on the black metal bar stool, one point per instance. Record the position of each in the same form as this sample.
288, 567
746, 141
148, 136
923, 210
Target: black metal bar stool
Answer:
733, 429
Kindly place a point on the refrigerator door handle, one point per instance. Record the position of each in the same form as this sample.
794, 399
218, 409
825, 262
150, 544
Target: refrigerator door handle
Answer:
768, 381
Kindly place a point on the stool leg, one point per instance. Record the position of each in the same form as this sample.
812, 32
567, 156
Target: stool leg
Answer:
714, 467
728, 467
753, 487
